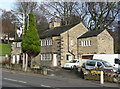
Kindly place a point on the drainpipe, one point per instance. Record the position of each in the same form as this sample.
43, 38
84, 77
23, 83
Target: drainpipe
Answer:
69, 44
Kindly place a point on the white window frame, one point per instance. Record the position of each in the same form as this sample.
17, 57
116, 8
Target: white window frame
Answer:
44, 42
41, 57
41, 42
90, 43
81, 43
46, 56
84, 43
51, 42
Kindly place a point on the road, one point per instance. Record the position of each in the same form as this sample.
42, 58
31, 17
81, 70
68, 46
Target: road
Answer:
20, 79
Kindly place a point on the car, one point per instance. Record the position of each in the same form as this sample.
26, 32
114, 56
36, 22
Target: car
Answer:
97, 64
73, 64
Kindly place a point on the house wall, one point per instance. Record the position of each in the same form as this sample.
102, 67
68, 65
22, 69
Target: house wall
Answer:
16, 52
92, 49
50, 49
105, 43
101, 44
69, 42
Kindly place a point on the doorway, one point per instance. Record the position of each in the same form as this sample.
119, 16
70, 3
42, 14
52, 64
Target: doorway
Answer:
54, 59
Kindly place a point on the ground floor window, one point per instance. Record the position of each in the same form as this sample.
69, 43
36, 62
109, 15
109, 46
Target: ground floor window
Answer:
46, 56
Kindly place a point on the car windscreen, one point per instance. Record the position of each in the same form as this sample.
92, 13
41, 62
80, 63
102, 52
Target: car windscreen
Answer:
90, 63
106, 64
73, 61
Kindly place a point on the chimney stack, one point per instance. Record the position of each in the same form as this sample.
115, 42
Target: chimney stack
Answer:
54, 23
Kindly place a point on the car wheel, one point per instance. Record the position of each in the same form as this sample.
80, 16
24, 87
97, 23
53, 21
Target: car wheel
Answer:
73, 67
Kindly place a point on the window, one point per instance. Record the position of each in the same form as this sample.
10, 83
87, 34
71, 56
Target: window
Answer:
99, 64
86, 43
46, 42
46, 57
106, 64
51, 42
90, 63
42, 42
73, 61
89, 42
82, 43
41, 57
18, 45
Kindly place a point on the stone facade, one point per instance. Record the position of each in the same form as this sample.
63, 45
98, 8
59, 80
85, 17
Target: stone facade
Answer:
103, 43
16, 52
50, 50
87, 49
69, 42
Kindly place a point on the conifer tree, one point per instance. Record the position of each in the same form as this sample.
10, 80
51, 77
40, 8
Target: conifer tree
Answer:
31, 41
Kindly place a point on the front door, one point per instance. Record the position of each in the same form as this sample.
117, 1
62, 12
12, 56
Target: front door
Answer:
54, 59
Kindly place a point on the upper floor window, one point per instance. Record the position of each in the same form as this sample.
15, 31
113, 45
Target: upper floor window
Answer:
86, 43
46, 42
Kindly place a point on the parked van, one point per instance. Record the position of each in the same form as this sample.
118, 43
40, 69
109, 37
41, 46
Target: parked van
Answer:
109, 58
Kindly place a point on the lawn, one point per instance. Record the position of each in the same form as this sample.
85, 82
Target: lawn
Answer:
5, 49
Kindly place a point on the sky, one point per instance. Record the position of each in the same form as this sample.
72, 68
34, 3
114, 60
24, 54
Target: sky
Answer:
7, 4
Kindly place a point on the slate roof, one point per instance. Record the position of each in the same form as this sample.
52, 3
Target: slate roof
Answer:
90, 34
56, 31
18, 40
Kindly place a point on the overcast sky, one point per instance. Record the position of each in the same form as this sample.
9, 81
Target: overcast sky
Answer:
7, 4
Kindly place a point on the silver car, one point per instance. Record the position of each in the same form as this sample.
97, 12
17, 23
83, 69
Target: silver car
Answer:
96, 63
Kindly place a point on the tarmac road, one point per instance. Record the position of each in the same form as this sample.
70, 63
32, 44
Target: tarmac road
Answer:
30, 81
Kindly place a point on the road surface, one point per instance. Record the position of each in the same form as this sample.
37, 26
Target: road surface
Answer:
20, 79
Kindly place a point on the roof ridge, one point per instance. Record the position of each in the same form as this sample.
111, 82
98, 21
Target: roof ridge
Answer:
57, 30
91, 33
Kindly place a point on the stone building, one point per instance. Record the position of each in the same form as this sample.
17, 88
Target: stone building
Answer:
16, 53
95, 42
69, 42
59, 44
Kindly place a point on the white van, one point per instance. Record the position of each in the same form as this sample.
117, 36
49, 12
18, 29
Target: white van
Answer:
109, 58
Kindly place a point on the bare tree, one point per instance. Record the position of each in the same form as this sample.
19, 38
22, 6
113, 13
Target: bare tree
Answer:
65, 11
100, 15
26, 7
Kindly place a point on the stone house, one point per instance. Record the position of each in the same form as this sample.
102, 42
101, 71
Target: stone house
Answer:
69, 42
59, 44
95, 42
16, 53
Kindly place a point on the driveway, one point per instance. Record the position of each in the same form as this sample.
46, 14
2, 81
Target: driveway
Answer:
67, 73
